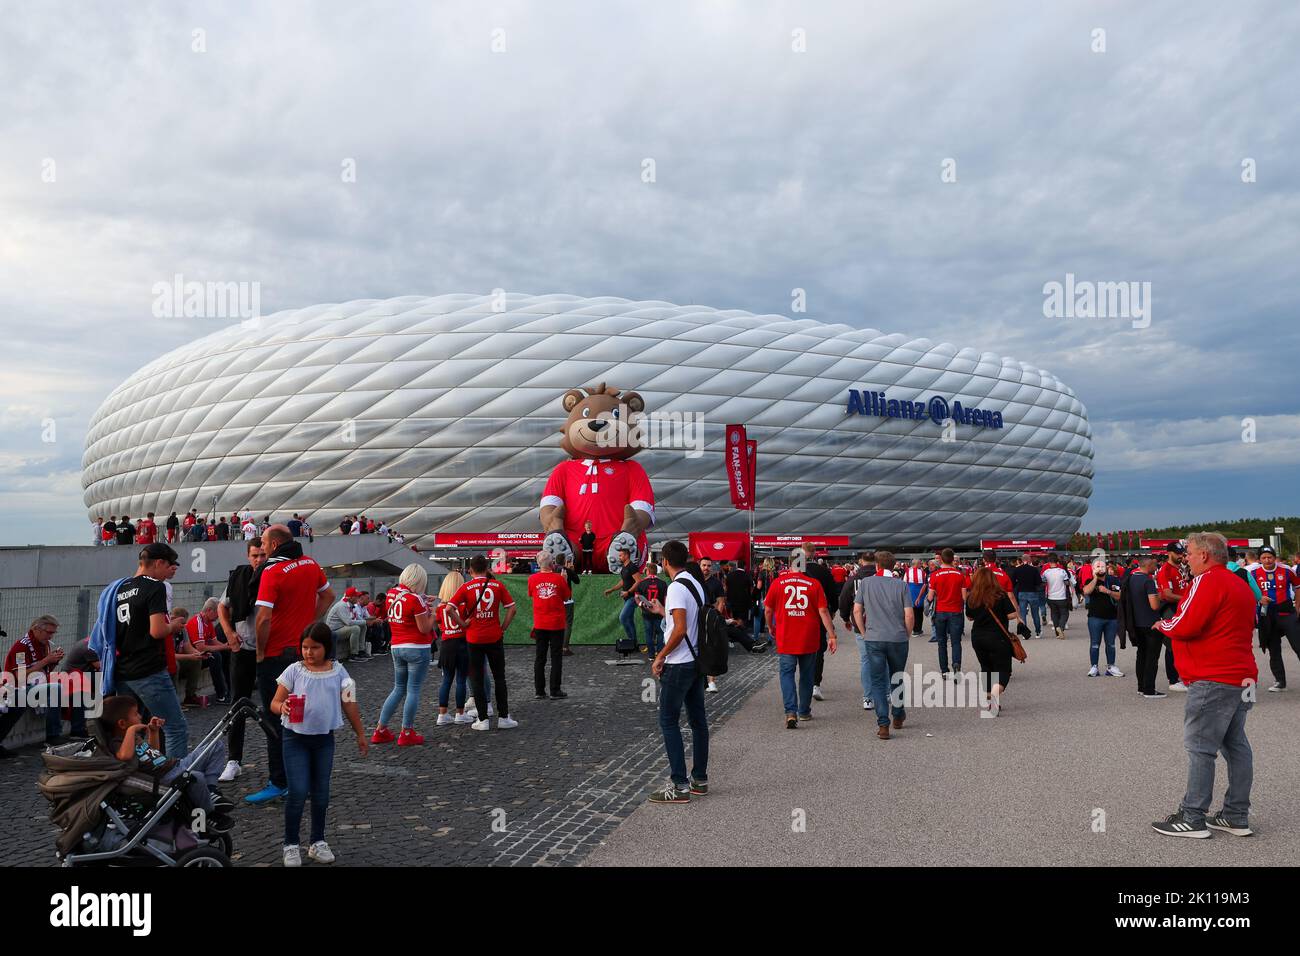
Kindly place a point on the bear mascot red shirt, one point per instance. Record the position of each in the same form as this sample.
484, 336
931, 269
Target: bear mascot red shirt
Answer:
599, 483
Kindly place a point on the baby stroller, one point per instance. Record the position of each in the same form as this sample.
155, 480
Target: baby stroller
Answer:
112, 814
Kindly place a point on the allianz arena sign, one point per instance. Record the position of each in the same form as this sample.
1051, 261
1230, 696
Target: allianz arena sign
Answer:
936, 409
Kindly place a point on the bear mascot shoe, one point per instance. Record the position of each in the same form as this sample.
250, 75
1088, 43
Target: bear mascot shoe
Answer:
599, 483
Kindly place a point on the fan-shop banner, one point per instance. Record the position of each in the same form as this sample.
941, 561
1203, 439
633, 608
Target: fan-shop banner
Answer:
751, 463
738, 479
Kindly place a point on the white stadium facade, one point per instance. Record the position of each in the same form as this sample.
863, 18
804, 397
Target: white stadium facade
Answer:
443, 414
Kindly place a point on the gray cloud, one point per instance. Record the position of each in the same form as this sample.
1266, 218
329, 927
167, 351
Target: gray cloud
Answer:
775, 170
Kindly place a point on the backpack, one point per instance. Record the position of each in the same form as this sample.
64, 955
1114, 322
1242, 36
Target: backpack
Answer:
713, 643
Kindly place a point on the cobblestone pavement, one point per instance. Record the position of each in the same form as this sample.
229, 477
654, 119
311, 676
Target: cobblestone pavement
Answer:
546, 793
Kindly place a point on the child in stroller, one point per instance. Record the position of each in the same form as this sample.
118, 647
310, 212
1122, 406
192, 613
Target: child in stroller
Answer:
121, 802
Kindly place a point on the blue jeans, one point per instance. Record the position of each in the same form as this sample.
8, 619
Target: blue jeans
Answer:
888, 663
682, 685
627, 617
459, 669
1099, 628
308, 763
159, 695
410, 667
1214, 722
654, 633
948, 625
802, 703
1028, 601
864, 667
757, 622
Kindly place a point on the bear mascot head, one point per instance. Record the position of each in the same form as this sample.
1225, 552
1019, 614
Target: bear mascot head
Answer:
599, 501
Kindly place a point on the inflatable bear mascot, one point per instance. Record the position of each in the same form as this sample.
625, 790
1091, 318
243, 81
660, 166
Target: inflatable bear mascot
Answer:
599, 483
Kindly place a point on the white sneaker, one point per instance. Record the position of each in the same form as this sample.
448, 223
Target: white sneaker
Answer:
466, 718
1276, 689
1180, 687
817, 692
866, 703
712, 688
292, 857
1093, 672
470, 705
991, 710
444, 720
1114, 671
231, 772
507, 723
480, 725
320, 852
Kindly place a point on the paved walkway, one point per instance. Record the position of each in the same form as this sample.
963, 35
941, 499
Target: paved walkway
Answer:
954, 789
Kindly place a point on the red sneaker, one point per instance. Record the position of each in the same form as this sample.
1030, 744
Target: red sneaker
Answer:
382, 735
409, 738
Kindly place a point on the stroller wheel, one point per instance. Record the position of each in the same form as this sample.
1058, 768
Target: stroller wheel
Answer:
204, 856
225, 844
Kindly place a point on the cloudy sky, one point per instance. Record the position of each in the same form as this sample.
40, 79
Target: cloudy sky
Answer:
133, 148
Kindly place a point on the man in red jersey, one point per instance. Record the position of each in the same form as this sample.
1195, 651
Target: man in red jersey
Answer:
550, 593
797, 616
147, 530
1277, 615
1004, 579
480, 601
948, 591
292, 593
1211, 635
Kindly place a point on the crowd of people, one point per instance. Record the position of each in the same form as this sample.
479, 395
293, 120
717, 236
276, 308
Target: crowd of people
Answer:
193, 527
279, 634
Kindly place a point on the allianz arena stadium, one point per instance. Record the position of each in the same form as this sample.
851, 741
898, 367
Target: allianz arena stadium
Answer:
443, 413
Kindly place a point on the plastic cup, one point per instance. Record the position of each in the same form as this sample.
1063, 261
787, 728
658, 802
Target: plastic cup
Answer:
297, 705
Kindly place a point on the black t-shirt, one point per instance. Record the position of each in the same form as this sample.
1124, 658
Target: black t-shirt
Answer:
985, 622
139, 655
126, 533
173, 522
345, 526
588, 541
822, 575
1103, 606
626, 573
712, 589
1026, 579
652, 589
223, 531
1139, 586
295, 527
740, 595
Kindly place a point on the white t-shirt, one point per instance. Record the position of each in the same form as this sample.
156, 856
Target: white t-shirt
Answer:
250, 530
676, 597
1057, 580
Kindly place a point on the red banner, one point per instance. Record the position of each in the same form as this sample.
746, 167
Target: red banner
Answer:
737, 470
794, 540
458, 539
1017, 544
719, 545
751, 464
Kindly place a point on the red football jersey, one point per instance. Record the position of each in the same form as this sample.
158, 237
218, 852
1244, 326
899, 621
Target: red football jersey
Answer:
597, 490
796, 601
289, 589
450, 632
477, 601
402, 610
549, 592
947, 584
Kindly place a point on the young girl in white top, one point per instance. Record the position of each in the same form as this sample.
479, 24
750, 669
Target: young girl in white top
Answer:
329, 696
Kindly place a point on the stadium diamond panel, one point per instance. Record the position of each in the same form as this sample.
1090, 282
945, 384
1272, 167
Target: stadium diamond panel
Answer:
442, 414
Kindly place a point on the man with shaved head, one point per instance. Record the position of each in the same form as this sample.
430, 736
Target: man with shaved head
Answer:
292, 594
